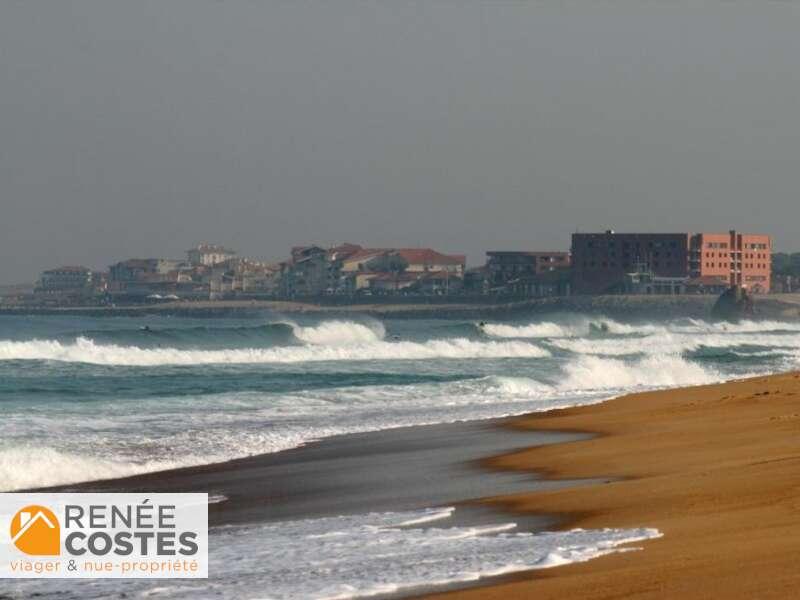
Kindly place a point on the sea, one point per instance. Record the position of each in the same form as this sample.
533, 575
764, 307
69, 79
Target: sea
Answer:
84, 398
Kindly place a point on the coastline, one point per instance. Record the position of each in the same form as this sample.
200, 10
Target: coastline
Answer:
715, 468
423, 307
398, 469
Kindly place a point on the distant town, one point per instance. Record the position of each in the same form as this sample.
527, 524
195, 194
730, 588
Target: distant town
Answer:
596, 264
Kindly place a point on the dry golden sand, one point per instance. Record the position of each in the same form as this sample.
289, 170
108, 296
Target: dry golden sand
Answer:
715, 468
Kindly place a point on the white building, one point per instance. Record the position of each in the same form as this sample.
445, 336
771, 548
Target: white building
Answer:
209, 254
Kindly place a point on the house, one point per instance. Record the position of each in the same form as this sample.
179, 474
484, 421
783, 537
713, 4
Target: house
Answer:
520, 272
209, 254
422, 260
439, 283
307, 273
364, 259
393, 283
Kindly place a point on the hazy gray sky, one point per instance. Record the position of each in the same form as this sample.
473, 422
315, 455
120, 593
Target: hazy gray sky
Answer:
139, 128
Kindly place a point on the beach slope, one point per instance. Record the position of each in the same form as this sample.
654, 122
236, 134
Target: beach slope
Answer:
715, 468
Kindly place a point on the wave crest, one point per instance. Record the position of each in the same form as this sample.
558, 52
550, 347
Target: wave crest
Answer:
593, 373
84, 350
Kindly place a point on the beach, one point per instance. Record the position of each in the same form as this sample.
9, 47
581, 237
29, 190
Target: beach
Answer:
715, 468
407, 468
353, 458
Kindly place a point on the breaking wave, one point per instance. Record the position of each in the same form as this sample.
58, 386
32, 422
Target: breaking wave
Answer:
595, 373
84, 350
570, 328
25, 467
332, 333
339, 333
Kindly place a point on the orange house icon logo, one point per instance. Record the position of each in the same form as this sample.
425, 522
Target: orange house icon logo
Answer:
35, 530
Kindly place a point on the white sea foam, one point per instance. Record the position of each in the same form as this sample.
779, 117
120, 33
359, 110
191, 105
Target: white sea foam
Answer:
533, 330
594, 373
83, 445
339, 333
84, 350
362, 555
585, 326
572, 328
27, 466
675, 343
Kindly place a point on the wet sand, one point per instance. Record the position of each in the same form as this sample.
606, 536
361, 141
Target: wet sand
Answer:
715, 468
392, 470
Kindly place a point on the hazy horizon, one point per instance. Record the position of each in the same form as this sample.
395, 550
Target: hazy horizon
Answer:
140, 129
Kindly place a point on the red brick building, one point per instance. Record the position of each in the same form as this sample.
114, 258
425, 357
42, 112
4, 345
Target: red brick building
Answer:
738, 258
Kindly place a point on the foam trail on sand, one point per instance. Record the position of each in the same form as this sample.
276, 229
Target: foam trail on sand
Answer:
362, 555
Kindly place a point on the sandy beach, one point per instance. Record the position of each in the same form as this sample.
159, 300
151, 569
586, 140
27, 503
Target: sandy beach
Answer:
715, 468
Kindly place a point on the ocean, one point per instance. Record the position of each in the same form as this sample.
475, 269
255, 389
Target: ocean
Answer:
85, 398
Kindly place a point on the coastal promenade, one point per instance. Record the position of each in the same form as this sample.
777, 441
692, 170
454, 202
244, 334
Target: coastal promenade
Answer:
772, 306
715, 468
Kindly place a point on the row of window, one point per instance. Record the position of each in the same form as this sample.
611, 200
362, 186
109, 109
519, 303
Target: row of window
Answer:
727, 265
613, 265
727, 254
612, 244
747, 246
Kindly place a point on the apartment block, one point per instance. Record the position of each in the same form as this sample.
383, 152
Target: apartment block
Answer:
743, 259
600, 261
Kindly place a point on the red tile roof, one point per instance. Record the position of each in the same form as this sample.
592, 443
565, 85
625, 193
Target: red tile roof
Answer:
428, 256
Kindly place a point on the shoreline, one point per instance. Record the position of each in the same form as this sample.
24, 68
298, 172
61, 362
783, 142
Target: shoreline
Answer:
715, 468
698, 306
770, 306
397, 469
712, 467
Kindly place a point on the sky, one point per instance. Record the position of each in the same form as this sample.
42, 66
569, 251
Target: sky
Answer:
138, 129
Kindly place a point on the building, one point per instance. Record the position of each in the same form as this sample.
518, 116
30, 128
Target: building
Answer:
601, 261
385, 266
307, 273
424, 260
609, 263
139, 269
743, 259
522, 272
209, 254
66, 282
364, 259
